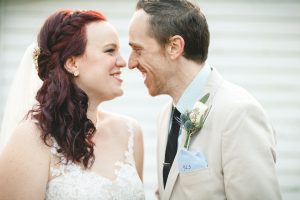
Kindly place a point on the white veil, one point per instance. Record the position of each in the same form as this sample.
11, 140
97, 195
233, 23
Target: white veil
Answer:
21, 96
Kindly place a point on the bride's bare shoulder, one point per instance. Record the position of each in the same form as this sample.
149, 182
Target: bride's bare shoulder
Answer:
122, 124
28, 132
24, 160
119, 120
27, 128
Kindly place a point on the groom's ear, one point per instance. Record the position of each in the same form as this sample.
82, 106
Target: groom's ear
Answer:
70, 65
175, 48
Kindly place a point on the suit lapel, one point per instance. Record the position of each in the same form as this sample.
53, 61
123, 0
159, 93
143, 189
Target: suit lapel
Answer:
174, 170
211, 87
162, 143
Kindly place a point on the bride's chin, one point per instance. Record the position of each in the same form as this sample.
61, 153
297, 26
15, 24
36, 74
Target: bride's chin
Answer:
110, 96
117, 94
121, 92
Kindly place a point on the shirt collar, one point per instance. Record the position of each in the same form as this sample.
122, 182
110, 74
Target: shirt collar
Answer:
192, 93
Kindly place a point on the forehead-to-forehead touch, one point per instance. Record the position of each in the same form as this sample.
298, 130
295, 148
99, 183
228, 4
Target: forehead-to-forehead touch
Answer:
101, 32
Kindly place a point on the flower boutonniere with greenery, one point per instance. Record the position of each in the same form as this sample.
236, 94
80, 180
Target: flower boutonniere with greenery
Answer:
193, 121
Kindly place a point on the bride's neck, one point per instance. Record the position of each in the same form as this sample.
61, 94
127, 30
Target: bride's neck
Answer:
92, 113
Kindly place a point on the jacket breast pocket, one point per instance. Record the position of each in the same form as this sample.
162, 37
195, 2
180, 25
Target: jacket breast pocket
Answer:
199, 176
197, 184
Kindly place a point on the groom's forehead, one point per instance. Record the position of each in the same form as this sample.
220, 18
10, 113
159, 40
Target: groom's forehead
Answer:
140, 19
139, 35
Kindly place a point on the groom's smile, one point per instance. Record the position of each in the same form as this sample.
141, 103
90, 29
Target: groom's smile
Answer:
147, 55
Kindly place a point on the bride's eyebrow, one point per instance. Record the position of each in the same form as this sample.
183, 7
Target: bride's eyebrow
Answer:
111, 45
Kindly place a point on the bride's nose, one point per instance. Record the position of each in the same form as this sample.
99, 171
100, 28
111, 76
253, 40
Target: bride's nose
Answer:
120, 62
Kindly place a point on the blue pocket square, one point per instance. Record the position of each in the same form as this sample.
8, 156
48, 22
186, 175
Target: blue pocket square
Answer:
191, 160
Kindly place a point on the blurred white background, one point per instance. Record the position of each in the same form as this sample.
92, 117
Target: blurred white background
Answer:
255, 44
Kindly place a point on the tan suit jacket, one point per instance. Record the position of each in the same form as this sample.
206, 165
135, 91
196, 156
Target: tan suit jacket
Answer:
238, 143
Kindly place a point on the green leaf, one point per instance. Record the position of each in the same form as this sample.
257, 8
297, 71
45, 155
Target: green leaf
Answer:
187, 140
204, 98
201, 121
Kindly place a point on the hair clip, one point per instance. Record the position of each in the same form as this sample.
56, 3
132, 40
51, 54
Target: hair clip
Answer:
35, 54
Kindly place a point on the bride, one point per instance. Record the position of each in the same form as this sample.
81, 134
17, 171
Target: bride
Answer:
65, 148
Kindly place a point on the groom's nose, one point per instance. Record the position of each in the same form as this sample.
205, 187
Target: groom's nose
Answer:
132, 62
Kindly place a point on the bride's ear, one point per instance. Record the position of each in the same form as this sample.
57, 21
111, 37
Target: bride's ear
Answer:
71, 67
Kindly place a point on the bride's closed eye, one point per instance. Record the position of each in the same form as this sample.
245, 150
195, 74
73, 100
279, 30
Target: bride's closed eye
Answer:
110, 51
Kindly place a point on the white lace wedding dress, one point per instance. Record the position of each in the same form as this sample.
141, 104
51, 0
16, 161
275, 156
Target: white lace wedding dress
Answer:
71, 182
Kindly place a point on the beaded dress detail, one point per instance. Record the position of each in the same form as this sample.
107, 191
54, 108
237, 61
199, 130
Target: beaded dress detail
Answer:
71, 182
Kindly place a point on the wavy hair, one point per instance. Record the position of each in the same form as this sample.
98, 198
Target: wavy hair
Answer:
62, 106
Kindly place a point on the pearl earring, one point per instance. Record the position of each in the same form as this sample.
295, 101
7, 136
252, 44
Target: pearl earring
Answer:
76, 73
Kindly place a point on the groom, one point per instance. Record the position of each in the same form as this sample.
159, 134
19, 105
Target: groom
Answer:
224, 149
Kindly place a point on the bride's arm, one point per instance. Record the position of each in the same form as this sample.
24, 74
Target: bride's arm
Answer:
24, 165
138, 149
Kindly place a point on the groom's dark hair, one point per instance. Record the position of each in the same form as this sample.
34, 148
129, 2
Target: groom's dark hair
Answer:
178, 17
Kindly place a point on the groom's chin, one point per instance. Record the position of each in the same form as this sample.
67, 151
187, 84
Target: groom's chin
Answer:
153, 93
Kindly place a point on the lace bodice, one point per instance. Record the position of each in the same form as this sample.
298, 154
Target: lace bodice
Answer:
71, 182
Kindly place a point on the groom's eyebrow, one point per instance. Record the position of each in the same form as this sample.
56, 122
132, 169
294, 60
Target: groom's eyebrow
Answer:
134, 45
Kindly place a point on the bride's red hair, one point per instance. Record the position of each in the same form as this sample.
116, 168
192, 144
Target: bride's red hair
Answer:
62, 106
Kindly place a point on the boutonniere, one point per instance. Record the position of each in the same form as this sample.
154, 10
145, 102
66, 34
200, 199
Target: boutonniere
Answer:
193, 120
